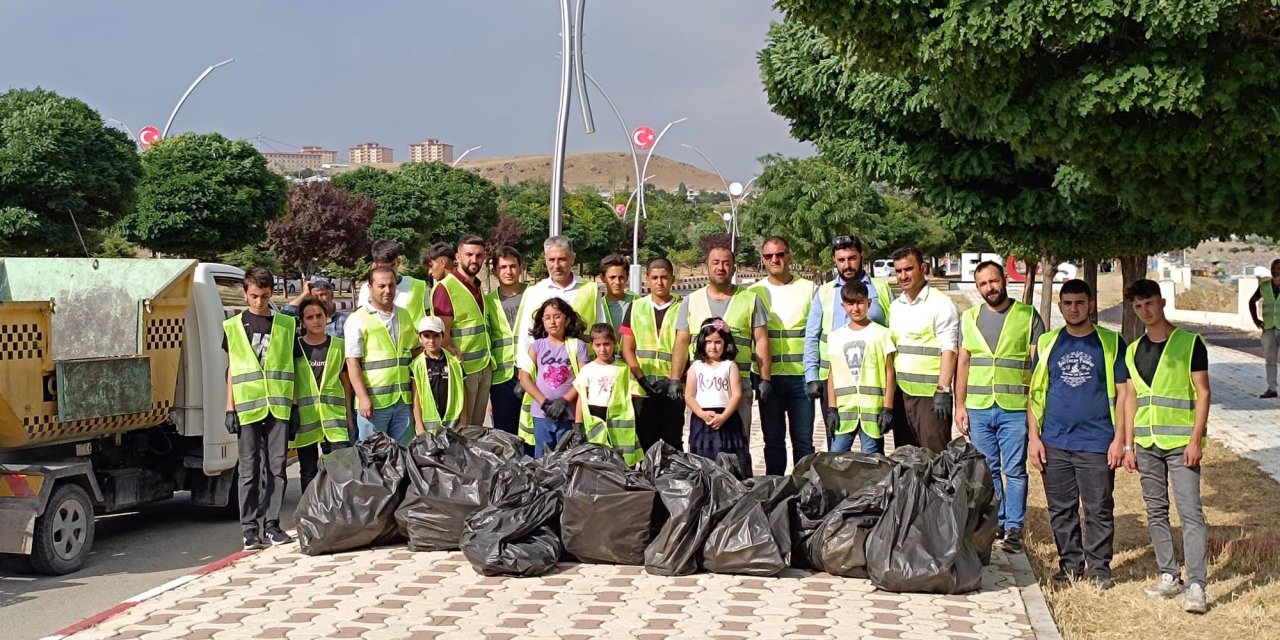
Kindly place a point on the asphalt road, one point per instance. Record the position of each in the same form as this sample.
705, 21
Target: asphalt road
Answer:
133, 552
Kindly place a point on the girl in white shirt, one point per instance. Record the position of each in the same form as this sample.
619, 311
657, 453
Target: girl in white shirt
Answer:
712, 391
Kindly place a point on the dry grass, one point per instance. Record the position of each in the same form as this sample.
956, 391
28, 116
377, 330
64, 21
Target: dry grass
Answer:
1207, 294
1242, 506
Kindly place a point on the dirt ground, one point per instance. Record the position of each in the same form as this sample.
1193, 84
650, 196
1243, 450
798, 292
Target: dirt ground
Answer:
1242, 506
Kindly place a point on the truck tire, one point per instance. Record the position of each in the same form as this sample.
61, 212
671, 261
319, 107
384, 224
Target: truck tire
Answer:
64, 534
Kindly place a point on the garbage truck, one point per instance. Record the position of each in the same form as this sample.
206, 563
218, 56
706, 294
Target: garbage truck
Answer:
112, 392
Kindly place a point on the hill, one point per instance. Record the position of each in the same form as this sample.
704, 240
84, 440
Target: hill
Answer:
609, 170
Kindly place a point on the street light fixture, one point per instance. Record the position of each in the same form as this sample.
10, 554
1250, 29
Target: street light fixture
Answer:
464, 154
165, 134
737, 193
635, 231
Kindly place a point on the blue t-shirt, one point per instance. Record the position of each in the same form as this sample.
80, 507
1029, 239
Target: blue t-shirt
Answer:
1077, 414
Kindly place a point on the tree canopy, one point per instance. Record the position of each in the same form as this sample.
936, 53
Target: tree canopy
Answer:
589, 222
324, 225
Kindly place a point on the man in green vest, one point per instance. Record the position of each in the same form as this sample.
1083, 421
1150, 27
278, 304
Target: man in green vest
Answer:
380, 343
997, 343
1169, 370
260, 393
787, 298
748, 321
826, 314
648, 342
438, 382
410, 292
438, 261
459, 302
1268, 321
1078, 379
583, 295
613, 270
324, 391
503, 308
926, 328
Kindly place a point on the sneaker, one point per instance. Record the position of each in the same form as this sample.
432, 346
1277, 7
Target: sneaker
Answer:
1194, 600
1000, 534
1268, 394
1063, 578
252, 542
1012, 541
1168, 587
277, 535
1101, 583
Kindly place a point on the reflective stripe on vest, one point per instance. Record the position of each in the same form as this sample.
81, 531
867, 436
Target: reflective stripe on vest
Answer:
1040, 375
526, 407
828, 293
385, 366
1166, 413
470, 332
788, 315
418, 302
1270, 304
738, 316
654, 345
1002, 376
586, 301
322, 404
618, 429
859, 401
432, 420
259, 388
502, 336
918, 362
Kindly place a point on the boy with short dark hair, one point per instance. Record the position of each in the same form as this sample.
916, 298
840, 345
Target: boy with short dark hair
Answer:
858, 401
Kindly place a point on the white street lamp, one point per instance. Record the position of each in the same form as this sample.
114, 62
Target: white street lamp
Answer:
635, 231
165, 134
464, 154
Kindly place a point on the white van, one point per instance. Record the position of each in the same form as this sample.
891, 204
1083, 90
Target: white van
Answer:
882, 269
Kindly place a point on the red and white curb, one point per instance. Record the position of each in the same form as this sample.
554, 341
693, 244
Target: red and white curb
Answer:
103, 616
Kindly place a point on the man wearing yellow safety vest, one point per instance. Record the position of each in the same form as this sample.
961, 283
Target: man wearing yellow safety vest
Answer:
1268, 321
1075, 435
613, 271
583, 295
826, 314
459, 302
926, 328
503, 307
997, 342
410, 292
438, 261
748, 321
437, 380
260, 393
787, 298
323, 421
1167, 418
379, 344
648, 341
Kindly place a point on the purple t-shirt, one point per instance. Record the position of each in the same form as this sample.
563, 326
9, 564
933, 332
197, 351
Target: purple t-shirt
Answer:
555, 375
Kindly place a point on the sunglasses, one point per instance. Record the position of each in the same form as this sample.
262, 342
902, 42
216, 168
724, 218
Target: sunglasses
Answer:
774, 256
844, 242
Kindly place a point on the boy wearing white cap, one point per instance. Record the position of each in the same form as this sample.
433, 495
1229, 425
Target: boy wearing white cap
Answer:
436, 375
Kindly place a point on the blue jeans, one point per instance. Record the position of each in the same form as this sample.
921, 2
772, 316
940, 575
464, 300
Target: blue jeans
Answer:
844, 442
787, 403
395, 421
547, 434
1001, 436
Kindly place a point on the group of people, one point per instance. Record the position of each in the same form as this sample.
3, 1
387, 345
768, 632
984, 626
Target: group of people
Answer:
542, 359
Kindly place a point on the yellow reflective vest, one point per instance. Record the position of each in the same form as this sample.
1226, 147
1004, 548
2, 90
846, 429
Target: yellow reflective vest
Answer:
433, 419
828, 294
1001, 375
502, 335
1040, 375
618, 429
1270, 304
470, 332
788, 313
1166, 413
385, 366
261, 387
860, 399
738, 316
322, 404
654, 345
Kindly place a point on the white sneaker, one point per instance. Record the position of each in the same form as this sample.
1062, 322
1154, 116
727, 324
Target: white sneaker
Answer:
1194, 601
1168, 587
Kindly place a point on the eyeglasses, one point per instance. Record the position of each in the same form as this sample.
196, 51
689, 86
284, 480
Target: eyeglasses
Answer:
774, 256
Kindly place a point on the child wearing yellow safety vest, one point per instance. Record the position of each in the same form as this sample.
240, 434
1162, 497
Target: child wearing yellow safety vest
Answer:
861, 373
712, 390
604, 408
321, 420
555, 356
436, 378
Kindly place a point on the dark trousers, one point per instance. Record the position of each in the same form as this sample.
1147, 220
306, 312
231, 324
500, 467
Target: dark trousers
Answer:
263, 446
309, 460
1073, 479
660, 418
787, 406
506, 406
914, 423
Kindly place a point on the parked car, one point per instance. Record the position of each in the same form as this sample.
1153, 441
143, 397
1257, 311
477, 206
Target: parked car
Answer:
882, 269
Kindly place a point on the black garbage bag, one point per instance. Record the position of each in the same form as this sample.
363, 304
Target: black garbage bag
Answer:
921, 544
496, 441
984, 509
754, 537
696, 493
610, 513
517, 533
832, 478
449, 478
838, 544
553, 468
352, 500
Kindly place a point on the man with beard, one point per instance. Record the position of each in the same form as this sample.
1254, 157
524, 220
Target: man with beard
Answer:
458, 300
1078, 379
997, 343
826, 314
504, 305
926, 329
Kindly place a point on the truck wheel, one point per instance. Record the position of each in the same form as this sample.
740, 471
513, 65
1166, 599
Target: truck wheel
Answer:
64, 534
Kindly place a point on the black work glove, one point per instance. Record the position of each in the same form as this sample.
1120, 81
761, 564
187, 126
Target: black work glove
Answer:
885, 420
764, 389
832, 418
813, 389
518, 392
557, 409
648, 387
674, 392
942, 406
233, 423
295, 422
580, 428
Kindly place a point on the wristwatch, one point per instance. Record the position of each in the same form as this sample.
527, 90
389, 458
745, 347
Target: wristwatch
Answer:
1126, 449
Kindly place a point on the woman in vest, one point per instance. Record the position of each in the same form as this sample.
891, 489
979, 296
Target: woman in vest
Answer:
321, 420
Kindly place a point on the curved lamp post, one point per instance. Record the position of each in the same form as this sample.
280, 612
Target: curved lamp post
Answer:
737, 193
126, 130
640, 206
464, 154
165, 133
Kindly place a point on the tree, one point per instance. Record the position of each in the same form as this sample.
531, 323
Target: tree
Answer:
324, 224
589, 222
59, 168
202, 195
252, 255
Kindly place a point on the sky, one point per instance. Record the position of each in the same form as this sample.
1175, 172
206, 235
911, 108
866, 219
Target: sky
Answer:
469, 72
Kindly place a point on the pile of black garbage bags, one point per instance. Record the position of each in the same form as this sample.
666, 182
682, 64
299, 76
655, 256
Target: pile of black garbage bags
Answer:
911, 522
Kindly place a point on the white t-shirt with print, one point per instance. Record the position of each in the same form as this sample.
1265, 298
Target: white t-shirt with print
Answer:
850, 344
598, 380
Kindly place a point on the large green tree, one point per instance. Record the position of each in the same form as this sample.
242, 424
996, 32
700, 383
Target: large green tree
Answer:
202, 195
588, 221
59, 167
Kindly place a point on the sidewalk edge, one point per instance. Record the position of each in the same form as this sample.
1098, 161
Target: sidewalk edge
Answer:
1042, 623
